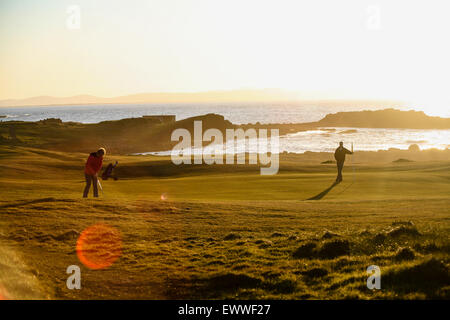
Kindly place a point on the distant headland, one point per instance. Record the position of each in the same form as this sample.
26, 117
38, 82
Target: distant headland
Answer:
224, 96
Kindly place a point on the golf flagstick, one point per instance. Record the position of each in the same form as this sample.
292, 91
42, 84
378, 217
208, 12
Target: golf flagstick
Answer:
353, 168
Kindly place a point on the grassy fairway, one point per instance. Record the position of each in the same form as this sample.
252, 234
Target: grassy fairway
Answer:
226, 231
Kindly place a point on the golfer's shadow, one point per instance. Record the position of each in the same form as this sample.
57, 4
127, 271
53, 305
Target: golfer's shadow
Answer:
324, 192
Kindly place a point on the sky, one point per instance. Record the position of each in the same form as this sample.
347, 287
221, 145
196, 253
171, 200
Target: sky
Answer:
349, 49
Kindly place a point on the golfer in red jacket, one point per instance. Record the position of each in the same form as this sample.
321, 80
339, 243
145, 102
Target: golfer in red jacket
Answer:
92, 168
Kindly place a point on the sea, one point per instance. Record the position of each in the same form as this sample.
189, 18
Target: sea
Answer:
319, 140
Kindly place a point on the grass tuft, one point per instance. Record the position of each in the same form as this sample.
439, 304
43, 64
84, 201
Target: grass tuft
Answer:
306, 250
404, 230
315, 273
405, 254
334, 249
429, 277
232, 236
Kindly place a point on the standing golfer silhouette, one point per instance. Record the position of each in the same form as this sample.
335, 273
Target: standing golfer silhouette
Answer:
339, 155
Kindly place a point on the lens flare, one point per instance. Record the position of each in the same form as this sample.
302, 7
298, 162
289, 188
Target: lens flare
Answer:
99, 246
3, 293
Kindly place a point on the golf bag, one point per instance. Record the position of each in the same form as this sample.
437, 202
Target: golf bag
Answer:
108, 172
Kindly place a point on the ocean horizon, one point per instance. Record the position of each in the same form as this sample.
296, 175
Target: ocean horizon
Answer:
237, 113
321, 140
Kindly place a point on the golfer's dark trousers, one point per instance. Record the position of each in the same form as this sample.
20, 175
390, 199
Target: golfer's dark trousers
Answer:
90, 179
340, 165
